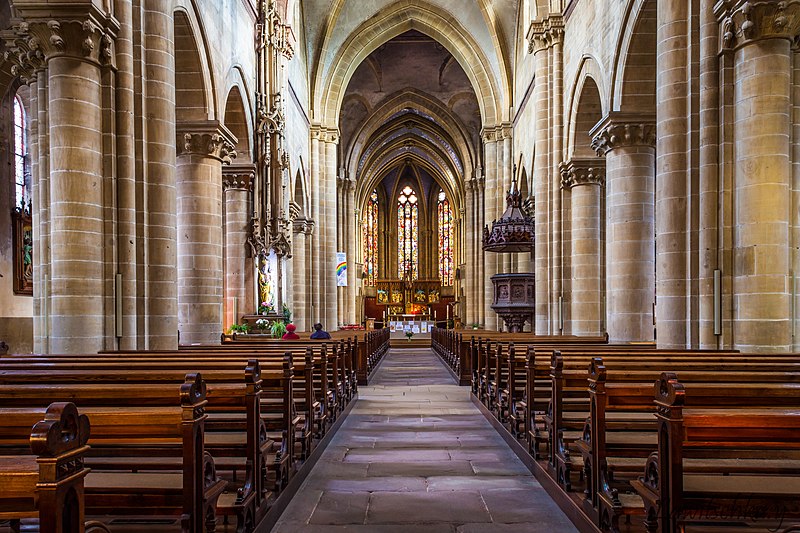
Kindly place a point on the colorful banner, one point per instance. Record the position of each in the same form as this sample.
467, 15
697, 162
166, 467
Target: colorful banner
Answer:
341, 269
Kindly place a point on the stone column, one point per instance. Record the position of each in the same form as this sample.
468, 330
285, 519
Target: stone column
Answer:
628, 143
203, 148
314, 259
491, 212
302, 228
761, 33
537, 37
709, 171
125, 174
469, 252
672, 224
351, 234
555, 35
328, 223
76, 52
585, 179
237, 186
161, 250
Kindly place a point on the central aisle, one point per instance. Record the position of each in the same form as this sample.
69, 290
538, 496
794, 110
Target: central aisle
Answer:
415, 455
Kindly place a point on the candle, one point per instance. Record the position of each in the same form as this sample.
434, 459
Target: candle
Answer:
448, 311
434, 315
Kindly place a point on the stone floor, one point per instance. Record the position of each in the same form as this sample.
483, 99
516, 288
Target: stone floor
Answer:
415, 455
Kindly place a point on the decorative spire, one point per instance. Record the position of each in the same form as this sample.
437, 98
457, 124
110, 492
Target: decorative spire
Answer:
514, 231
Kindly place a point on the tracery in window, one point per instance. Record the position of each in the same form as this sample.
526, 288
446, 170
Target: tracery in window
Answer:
21, 216
445, 218
20, 149
407, 234
370, 239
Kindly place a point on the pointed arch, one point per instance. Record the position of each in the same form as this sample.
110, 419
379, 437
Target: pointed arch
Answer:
236, 121
587, 102
195, 90
329, 87
633, 73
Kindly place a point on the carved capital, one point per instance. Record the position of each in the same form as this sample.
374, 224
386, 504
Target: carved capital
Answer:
745, 21
238, 177
303, 225
545, 33
210, 139
619, 130
77, 31
576, 172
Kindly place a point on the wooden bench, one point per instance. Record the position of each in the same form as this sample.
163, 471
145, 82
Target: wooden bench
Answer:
47, 482
621, 430
677, 497
136, 421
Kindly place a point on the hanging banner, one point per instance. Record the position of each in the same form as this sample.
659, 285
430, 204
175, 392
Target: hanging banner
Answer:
341, 269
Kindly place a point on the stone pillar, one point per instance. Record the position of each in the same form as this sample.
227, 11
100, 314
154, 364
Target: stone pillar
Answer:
491, 212
760, 34
237, 186
672, 224
76, 51
328, 224
302, 228
351, 235
124, 109
585, 179
161, 250
628, 142
709, 171
538, 42
203, 148
314, 259
555, 35
469, 252
41, 176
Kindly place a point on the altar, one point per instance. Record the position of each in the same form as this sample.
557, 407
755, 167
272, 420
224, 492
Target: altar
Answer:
418, 324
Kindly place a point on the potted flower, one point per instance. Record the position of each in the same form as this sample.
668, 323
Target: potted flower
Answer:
262, 324
265, 309
277, 329
240, 328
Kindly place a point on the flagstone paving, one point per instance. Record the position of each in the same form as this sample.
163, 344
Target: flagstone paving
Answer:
415, 455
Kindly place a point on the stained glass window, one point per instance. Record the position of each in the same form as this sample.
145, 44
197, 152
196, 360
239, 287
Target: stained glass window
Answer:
20, 148
370, 239
445, 217
407, 234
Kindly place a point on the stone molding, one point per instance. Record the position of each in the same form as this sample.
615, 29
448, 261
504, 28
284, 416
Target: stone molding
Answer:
73, 30
583, 171
746, 21
545, 33
210, 139
618, 130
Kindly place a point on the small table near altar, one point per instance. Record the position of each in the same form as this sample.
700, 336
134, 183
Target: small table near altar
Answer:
420, 325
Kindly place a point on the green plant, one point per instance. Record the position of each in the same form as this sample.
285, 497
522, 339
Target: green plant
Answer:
476, 325
240, 328
265, 309
287, 313
277, 329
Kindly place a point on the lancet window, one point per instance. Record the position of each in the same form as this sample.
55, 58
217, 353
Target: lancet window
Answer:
407, 234
370, 239
445, 219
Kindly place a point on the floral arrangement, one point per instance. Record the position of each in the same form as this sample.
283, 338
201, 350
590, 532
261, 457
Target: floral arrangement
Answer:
409, 334
265, 309
262, 323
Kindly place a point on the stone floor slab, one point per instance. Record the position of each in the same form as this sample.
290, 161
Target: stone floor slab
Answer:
414, 455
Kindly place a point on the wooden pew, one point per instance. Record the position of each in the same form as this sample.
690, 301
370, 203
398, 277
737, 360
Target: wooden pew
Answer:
570, 403
621, 430
47, 483
676, 497
135, 421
